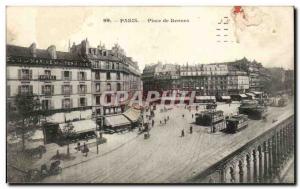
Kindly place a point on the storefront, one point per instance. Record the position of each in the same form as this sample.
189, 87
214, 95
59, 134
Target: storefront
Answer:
205, 99
116, 123
134, 115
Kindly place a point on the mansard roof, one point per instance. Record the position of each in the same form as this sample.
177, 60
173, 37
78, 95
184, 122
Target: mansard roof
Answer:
13, 50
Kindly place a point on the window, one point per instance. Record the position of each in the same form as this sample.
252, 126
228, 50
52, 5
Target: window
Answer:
8, 90
66, 89
82, 102
25, 89
118, 86
97, 100
67, 103
81, 76
108, 87
118, 76
48, 89
25, 74
108, 76
107, 65
97, 75
48, 72
67, 75
82, 89
97, 87
108, 98
46, 104
98, 111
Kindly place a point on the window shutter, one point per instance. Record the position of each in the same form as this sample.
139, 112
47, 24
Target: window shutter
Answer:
30, 89
43, 89
51, 104
19, 89
52, 89
62, 89
85, 75
78, 102
8, 90
78, 89
30, 74
62, 75
62, 103
71, 89
71, 103
70, 75
19, 74
78, 76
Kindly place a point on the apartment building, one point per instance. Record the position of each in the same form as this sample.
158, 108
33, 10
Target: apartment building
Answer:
69, 84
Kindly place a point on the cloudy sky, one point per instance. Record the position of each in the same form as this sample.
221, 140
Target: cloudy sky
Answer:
212, 34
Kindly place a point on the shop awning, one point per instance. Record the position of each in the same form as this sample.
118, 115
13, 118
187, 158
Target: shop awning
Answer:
177, 98
82, 126
226, 97
72, 115
37, 135
250, 94
56, 118
243, 95
256, 92
87, 114
205, 98
132, 114
116, 121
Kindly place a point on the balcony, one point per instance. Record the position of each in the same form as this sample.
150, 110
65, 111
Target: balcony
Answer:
26, 77
67, 92
47, 77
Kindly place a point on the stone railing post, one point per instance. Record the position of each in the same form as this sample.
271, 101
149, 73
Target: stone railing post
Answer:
254, 166
265, 150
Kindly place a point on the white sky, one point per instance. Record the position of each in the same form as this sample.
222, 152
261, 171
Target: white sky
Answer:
266, 35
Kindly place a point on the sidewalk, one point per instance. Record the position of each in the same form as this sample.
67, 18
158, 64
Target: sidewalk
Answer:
114, 141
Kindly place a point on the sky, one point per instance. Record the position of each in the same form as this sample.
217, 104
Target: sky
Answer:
212, 34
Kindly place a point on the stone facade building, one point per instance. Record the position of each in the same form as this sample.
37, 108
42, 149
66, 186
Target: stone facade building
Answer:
206, 79
68, 83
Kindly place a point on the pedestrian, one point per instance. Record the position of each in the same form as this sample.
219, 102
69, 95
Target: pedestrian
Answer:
160, 122
192, 116
85, 150
165, 121
182, 133
191, 129
152, 122
182, 115
168, 118
78, 146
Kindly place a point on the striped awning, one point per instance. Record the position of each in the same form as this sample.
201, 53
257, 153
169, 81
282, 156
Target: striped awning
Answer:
81, 126
117, 121
226, 97
132, 114
205, 98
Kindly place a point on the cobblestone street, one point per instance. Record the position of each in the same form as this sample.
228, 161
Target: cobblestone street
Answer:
165, 156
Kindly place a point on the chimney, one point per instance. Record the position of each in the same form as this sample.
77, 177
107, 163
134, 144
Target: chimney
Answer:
52, 51
33, 49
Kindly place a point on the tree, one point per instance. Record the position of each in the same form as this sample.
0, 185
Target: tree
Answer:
69, 133
27, 112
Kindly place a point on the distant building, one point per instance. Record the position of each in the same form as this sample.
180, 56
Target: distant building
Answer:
256, 72
206, 79
161, 77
